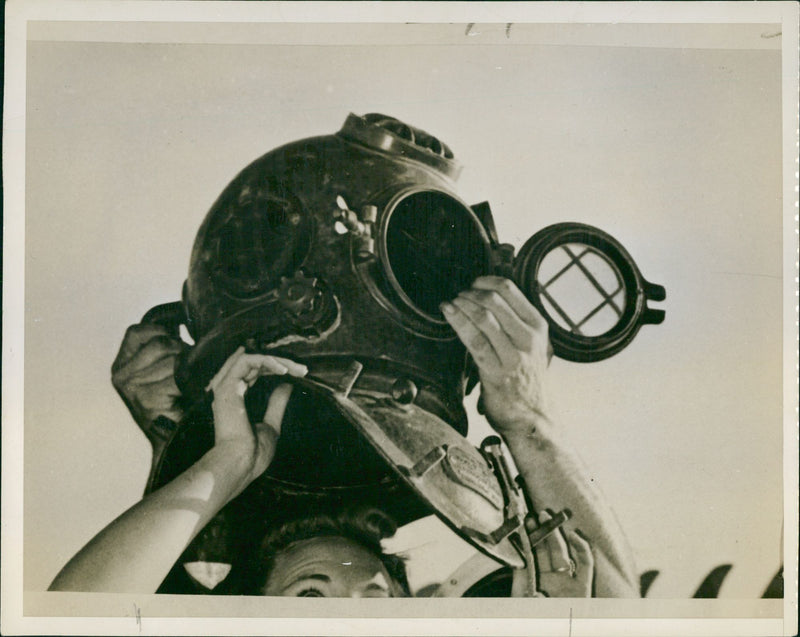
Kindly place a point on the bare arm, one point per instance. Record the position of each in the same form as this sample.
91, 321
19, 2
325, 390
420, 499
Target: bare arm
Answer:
136, 551
508, 340
557, 480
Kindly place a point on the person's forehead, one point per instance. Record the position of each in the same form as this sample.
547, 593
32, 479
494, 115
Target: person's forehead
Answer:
328, 550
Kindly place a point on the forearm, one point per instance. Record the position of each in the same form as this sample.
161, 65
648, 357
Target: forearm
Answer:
556, 479
136, 551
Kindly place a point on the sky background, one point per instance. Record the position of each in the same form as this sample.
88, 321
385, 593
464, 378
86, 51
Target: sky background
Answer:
668, 137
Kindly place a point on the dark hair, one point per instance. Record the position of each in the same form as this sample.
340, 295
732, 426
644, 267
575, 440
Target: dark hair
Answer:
366, 527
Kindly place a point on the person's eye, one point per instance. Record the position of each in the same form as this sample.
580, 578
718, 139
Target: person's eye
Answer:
310, 592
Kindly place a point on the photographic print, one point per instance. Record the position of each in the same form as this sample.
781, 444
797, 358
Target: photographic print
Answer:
418, 300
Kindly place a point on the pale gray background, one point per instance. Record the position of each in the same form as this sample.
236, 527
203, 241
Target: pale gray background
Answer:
668, 137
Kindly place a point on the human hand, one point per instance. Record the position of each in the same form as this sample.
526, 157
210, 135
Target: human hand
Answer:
508, 340
143, 375
565, 563
250, 447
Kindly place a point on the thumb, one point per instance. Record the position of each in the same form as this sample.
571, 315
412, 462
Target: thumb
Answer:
268, 430
266, 443
554, 553
276, 407
582, 553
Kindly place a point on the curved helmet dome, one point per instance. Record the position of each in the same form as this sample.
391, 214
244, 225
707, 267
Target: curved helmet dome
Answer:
337, 249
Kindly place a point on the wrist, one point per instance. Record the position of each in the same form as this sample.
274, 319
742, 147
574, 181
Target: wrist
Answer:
537, 434
522, 423
232, 464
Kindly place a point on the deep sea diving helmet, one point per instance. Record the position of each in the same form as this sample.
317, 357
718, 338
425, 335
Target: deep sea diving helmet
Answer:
336, 251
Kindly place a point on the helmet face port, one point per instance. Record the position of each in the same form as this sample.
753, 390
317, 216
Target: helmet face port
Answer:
433, 247
261, 235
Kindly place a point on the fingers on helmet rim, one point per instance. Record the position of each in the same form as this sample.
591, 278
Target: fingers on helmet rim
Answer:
248, 367
520, 333
473, 338
488, 324
158, 370
154, 348
507, 289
